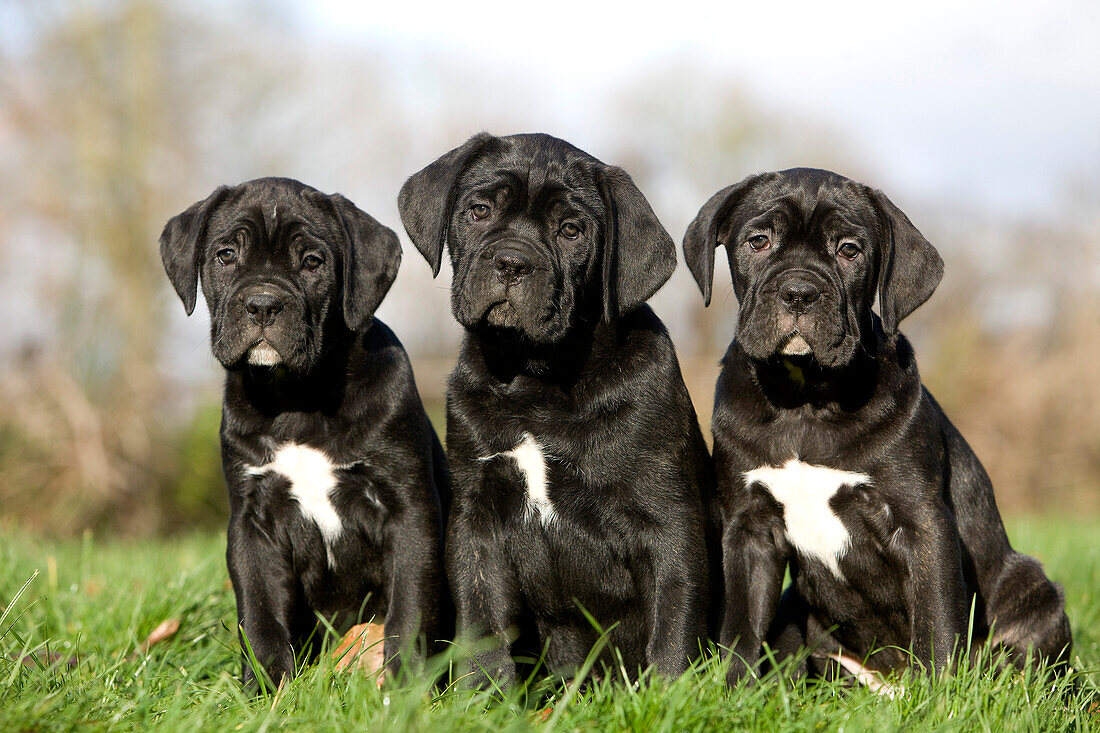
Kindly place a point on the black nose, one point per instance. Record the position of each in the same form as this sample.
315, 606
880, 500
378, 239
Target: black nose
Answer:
798, 294
511, 265
263, 307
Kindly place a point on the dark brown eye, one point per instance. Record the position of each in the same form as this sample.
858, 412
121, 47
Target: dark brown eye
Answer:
759, 242
479, 211
311, 262
848, 250
226, 256
569, 230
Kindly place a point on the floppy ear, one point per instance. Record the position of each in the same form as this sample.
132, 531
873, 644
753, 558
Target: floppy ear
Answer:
372, 255
909, 266
428, 197
179, 246
701, 238
639, 255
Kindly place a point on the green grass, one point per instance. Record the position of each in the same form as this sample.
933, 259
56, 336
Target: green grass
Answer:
94, 602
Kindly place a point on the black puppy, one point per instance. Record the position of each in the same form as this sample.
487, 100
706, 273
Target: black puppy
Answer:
335, 474
580, 471
831, 455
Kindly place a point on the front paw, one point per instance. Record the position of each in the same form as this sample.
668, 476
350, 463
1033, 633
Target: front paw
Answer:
270, 677
495, 670
740, 672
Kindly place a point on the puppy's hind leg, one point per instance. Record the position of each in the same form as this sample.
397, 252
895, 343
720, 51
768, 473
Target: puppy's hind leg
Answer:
1025, 609
1027, 612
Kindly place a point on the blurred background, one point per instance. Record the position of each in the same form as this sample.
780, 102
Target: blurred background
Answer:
981, 120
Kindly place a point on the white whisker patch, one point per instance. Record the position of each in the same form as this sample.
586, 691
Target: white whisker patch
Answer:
531, 461
804, 490
312, 479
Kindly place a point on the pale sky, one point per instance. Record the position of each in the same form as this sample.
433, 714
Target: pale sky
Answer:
995, 103
966, 113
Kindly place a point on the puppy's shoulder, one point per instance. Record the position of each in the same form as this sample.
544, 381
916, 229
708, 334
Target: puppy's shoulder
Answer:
641, 331
898, 373
646, 357
380, 341
935, 416
379, 357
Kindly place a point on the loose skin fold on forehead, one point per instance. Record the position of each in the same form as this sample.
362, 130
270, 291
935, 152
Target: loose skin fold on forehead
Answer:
371, 252
908, 267
637, 255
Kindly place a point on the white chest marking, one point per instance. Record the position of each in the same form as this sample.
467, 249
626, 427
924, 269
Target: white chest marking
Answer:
312, 479
531, 462
804, 491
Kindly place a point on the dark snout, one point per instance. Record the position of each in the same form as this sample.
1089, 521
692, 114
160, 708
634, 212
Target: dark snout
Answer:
263, 323
511, 265
798, 311
508, 282
265, 336
798, 291
262, 306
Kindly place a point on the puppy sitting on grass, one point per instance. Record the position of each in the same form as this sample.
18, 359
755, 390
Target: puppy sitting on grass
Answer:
582, 481
335, 475
833, 459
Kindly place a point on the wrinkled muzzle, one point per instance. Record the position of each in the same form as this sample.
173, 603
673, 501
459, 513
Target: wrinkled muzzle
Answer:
798, 313
514, 284
264, 325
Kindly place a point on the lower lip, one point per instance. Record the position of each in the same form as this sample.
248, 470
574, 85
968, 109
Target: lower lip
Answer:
262, 354
796, 346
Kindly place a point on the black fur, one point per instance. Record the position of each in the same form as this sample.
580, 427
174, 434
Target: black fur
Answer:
561, 349
926, 538
342, 386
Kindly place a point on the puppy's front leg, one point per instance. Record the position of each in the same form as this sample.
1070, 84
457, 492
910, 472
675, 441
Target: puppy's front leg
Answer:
486, 597
753, 566
935, 589
264, 587
680, 599
415, 585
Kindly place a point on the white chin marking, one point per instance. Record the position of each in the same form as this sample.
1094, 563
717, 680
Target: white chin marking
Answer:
804, 490
312, 479
531, 462
262, 354
796, 346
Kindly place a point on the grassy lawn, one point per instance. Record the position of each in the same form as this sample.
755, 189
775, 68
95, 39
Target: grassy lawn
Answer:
93, 602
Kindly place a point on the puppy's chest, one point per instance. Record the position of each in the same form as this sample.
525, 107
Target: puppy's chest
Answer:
321, 489
809, 495
548, 484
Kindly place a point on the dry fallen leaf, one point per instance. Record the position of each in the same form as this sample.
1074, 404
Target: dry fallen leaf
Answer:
166, 630
362, 648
